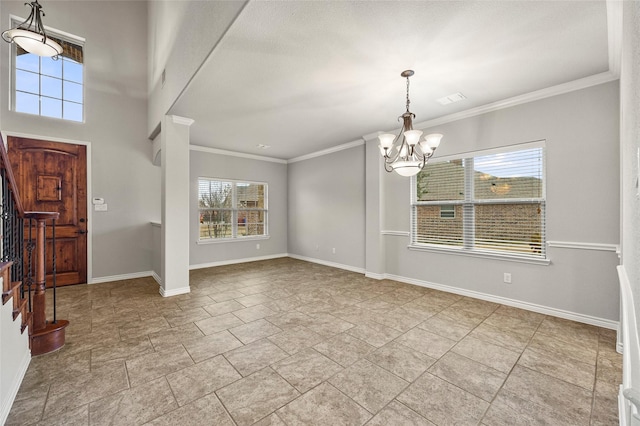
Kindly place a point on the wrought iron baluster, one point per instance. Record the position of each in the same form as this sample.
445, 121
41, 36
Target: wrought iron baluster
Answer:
20, 263
30, 247
44, 256
53, 267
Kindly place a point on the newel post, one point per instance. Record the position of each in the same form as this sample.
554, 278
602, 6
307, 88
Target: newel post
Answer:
46, 336
39, 300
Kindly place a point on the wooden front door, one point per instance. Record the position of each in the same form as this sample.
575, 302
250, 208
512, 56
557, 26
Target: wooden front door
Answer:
52, 177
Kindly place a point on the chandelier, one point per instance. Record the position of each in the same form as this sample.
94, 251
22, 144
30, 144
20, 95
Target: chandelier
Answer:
31, 36
406, 153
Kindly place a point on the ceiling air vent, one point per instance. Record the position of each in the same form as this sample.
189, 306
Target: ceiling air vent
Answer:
451, 99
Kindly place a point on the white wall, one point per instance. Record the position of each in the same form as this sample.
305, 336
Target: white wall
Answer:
181, 35
327, 208
581, 130
115, 124
14, 357
203, 164
630, 176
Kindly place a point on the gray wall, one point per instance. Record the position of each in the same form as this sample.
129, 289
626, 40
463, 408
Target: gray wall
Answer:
327, 207
181, 35
630, 137
115, 125
581, 130
203, 164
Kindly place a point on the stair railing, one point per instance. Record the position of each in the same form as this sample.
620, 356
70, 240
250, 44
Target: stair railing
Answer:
30, 273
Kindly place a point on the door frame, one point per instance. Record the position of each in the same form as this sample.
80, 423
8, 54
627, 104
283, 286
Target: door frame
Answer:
6, 134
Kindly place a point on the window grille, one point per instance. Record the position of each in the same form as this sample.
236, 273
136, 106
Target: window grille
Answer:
231, 209
50, 87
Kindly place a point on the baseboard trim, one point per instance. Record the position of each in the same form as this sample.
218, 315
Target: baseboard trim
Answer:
374, 276
175, 291
327, 263
573, 316
111, 278
15, 386
235, 261
156, 277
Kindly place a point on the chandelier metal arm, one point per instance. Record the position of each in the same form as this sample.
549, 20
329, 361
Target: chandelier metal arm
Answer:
387, 158
36, 10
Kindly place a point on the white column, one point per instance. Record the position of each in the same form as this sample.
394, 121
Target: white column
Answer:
374, 247
175, 205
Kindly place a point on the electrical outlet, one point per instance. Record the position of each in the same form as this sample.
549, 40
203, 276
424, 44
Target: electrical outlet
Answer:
507, 277
258, 246
317, 247
333, 250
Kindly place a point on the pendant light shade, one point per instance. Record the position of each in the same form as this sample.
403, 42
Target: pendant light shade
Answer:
31, 35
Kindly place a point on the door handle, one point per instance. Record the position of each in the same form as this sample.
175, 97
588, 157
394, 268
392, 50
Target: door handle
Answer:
82, 220
82, 232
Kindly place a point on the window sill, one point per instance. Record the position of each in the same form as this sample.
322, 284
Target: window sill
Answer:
485, 255
233, 240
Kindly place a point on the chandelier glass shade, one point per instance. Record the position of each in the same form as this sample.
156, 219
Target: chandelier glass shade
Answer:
405, 153
31, 35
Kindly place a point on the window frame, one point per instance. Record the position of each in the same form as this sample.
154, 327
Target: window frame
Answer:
448, 211
469, 203
234, 209
57, 34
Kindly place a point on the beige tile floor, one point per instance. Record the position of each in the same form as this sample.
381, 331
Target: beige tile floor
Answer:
285, 342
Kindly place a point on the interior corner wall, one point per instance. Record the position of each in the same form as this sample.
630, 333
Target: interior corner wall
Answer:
181, 35
210, 165
581, 130
630, 149
115, 106
327, 208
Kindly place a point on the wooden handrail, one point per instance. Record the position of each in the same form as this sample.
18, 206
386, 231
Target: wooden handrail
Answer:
41, 215
13, 187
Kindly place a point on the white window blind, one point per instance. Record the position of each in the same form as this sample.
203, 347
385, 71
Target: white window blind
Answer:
231, 209
493, 202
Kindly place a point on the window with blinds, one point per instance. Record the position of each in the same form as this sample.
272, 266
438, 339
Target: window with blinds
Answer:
47, 87
231, 209
484, 202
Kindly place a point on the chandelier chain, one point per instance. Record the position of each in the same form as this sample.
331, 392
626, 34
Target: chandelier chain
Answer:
408, 101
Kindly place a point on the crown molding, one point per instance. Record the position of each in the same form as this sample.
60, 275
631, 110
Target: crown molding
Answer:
181, 120
327, 151
571, 86
210, 150
372, 136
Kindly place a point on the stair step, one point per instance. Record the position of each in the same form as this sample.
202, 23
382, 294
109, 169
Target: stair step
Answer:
12, 291
21, 308
48, 339
5, 270
27, 322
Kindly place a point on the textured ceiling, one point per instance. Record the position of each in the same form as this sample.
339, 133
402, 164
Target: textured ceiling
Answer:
305, 76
